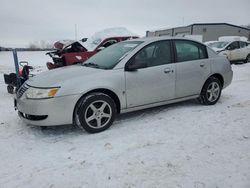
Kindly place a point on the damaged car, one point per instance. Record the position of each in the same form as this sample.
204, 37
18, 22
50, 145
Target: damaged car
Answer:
69, 52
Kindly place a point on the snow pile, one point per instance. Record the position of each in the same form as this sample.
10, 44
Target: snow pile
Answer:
97, 38
232, 38
36, 59
63, 43
194, 37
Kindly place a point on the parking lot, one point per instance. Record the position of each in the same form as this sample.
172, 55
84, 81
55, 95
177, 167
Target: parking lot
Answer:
179, 145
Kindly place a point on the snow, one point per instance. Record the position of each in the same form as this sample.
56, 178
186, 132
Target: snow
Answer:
98, 37
34, 58
183, 145
232, 38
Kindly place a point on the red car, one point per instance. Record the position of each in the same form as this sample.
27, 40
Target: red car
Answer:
72, 52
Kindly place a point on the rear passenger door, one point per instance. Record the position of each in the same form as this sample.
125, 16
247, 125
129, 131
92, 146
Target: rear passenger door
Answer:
192, 67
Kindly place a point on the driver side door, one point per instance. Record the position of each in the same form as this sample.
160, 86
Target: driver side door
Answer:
155, 82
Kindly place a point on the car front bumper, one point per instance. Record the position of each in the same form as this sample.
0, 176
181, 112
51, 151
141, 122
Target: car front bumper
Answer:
228, 77
47, 112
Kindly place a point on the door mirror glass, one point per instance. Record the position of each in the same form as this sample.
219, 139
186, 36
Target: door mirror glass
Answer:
135, 66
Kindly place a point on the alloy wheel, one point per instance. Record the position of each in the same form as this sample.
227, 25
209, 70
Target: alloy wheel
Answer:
213, 92
98, 114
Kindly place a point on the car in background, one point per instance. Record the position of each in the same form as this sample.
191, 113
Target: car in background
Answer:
70, 52
127, 76
233, 50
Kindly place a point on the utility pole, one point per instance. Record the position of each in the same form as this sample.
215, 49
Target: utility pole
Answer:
75, 31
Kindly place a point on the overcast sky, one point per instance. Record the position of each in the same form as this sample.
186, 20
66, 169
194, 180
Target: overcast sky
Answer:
25, 21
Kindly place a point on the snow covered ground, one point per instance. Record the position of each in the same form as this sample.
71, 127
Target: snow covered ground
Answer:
184, 145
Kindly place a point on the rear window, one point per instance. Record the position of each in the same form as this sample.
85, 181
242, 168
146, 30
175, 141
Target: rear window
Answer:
188, 51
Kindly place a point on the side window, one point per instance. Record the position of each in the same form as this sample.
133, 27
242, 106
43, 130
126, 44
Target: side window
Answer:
233, 46
158, 53
243, 44
109, 43
188, 51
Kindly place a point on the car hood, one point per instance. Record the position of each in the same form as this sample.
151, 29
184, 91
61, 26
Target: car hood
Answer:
62, 44
56, 77
217, 49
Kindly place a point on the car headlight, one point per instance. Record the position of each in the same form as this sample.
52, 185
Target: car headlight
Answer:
41, 93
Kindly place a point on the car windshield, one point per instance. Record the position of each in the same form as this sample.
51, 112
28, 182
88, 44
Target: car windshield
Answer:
109, 57
218, 44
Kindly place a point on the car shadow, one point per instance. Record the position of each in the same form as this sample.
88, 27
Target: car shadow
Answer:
73, 129
56, 130
155, 110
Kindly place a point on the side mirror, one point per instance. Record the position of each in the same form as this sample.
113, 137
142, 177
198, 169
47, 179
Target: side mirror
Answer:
84, 39
135, 66
100, 48
229, 48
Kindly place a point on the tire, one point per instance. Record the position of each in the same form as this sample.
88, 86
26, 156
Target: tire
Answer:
95, 112
10, 89
247, 60
211, 91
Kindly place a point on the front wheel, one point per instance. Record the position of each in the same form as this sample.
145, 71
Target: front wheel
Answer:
95, 112
211, 91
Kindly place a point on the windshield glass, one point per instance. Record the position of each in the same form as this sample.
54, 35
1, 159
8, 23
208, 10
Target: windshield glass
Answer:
109, 57
218, 44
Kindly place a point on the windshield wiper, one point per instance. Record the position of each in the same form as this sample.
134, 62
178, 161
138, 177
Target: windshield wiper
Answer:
91, 64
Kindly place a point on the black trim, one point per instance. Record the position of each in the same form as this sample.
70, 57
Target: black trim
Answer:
192, 27
173, 48
172, 51
43, 87
32, 117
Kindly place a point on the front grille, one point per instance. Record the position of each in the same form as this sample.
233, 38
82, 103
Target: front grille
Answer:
21, 90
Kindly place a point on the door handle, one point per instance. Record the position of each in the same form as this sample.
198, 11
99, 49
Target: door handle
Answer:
168, 70
202, 64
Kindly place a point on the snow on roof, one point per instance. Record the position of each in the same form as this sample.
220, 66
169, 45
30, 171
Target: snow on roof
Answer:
232, 38
96, 39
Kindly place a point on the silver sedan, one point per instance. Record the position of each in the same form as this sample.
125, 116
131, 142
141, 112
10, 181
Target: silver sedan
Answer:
125, 77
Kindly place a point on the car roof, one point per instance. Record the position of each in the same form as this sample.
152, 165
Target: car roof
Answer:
152, 39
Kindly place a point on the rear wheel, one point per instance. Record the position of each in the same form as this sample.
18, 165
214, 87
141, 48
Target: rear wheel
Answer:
211, 91
247, 60
95, 112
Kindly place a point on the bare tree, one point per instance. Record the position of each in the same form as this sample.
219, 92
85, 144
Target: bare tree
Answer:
33, 46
